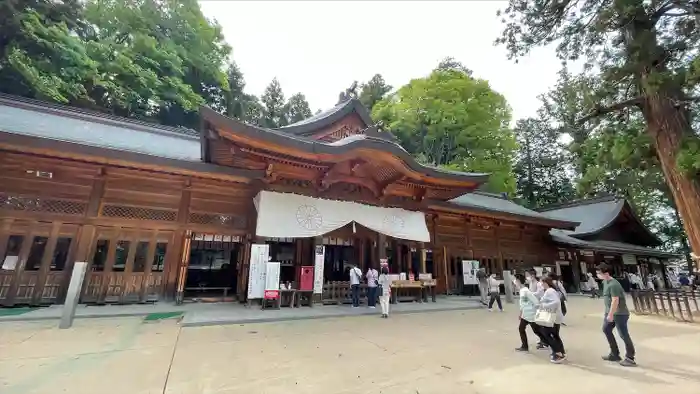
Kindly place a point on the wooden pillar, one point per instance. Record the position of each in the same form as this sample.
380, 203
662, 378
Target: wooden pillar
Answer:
381, 247
422, 252
444, 265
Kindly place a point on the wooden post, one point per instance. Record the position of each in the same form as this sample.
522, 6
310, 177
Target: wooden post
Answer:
444, 265
423, 254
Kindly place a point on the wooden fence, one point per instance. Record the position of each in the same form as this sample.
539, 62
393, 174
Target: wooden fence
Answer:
681, 305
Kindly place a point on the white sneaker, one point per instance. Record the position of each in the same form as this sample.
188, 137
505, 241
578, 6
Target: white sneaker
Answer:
490, 309
373, 307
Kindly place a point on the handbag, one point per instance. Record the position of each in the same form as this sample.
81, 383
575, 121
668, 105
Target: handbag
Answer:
545, 317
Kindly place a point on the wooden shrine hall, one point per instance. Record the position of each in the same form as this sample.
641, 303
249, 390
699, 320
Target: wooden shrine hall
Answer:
159, 212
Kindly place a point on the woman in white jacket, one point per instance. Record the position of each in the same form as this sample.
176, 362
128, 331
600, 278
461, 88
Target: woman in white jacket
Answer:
528, 308
385, 296
551, 301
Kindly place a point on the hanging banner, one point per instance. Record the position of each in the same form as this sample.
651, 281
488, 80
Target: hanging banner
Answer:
293, 215
259, 256
272, 280
319, 262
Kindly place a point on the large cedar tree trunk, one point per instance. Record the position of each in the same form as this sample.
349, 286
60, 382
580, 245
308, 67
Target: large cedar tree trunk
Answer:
668, 124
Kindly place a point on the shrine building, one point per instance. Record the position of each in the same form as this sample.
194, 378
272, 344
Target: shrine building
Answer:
162, 212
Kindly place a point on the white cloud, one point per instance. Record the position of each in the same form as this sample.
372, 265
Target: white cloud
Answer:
320, 47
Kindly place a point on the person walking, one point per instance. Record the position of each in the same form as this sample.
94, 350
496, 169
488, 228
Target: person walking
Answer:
483, 284
495, 292
385, 288
616, 316
528, 309
355, 277
593, 286
372, 276
551, 303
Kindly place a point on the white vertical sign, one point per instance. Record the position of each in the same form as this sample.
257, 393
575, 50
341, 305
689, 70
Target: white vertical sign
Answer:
319, 261
259, 255
272, 280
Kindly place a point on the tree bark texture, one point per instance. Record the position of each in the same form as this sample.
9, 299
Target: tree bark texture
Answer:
668, 125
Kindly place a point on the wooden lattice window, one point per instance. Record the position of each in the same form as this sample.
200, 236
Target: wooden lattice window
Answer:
138, 213
45, 205
212, 219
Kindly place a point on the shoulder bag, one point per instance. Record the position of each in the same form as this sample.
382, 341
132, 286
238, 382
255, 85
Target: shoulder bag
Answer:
545, 317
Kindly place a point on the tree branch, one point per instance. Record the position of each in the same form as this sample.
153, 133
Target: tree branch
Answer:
599, 111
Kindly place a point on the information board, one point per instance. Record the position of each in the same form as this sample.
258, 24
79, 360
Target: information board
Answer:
259, 256
319, 261
272, 280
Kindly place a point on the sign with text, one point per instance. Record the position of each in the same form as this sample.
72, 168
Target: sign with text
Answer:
259, 256
272, 280
319, 262
469, 268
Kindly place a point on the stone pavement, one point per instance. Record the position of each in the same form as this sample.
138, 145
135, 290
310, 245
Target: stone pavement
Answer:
230, 313
466, 352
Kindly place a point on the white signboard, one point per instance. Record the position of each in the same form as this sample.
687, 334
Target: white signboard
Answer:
629, 259
10, 263
469, 268
259, 256
272, 280
319, 262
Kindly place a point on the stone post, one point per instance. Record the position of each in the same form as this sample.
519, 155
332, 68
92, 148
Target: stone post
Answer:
73, 295
508, 284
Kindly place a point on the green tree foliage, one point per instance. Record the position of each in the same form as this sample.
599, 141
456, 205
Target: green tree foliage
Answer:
236, 100
41, 53
157, 58
274, 107
452, 120
449, 63
644, 55
373, 91
540, 165
297, 108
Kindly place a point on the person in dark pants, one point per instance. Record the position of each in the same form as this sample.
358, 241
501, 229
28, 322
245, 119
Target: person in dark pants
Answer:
616, 317
355, 277
372, 277
495, 292
528, 308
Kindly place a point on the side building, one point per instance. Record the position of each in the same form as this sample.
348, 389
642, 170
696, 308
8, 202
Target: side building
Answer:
609, 232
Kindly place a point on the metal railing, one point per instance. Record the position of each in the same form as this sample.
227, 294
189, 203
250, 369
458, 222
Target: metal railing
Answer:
678, 304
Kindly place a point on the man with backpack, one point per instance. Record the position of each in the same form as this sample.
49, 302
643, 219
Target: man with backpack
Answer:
355, 278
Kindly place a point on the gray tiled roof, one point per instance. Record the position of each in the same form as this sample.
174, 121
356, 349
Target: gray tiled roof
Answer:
593, 216
494, 202
25, 117
319, 116
564, 237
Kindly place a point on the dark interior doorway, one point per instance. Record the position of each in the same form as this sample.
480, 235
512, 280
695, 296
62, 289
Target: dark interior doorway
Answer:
212, 272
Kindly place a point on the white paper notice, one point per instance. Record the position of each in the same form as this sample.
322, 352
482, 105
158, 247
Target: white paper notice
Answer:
319, 261
259, 255
10, 263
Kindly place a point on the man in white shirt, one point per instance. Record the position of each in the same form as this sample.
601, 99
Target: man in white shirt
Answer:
372, 276
355, 277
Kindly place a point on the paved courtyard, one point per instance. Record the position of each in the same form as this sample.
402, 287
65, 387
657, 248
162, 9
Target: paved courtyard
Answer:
466, 352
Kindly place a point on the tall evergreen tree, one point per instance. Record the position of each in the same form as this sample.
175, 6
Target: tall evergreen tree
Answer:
297, 108
274, 113
540, 166
373, 91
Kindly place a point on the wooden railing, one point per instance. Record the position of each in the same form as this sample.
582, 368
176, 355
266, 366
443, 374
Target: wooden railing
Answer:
681, 305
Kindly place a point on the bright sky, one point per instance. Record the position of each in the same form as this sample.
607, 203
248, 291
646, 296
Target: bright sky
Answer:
320, 47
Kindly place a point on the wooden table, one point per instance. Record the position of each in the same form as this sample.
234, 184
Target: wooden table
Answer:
309, 295
288, 294
416, 287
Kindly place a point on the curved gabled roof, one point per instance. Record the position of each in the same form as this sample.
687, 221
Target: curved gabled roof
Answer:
326, 118
321, 120
354, 143
595, 215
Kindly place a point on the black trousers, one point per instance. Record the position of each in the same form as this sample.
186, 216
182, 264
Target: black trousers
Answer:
495, 296
551, 334
535, 328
